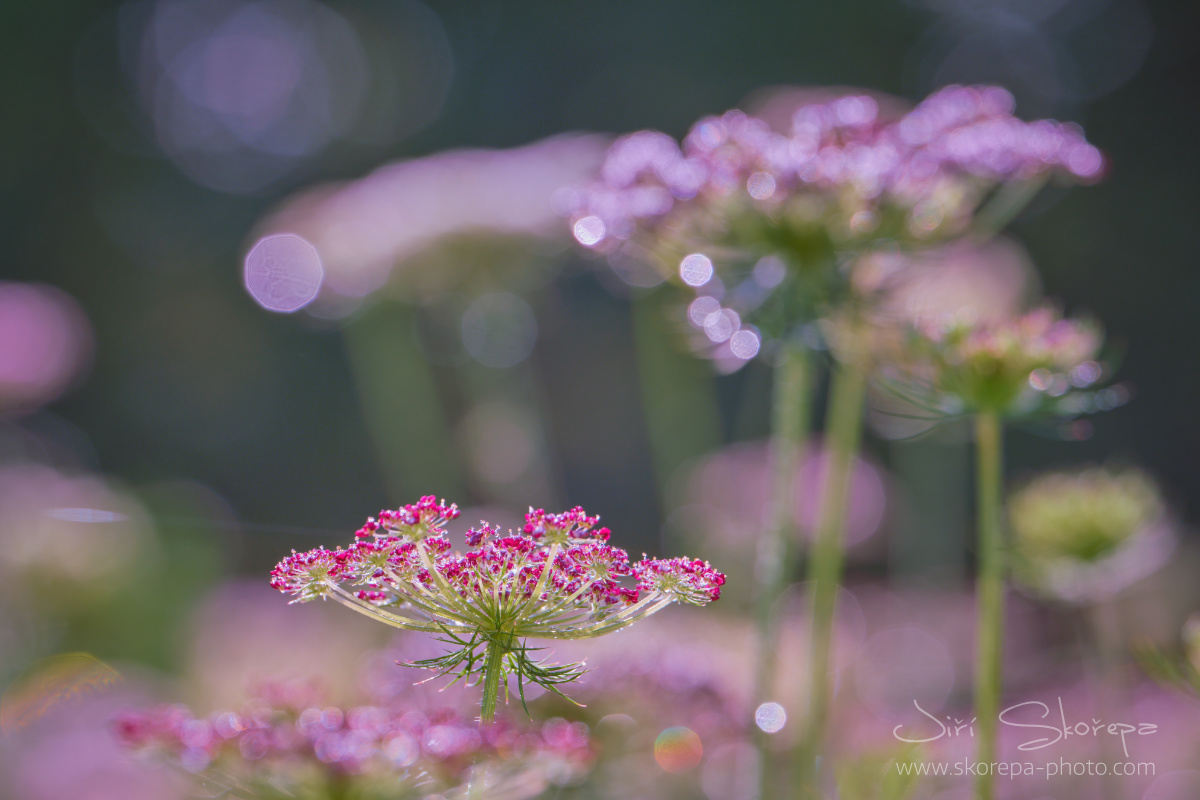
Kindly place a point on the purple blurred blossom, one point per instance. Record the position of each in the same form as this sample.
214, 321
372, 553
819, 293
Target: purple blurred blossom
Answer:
732, 486
45, 343
956, 138
70, 753
291, 738
364, 229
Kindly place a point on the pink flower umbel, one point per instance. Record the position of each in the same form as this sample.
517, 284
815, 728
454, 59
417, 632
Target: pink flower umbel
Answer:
1037, 364
840, 165
556, 579
760, 222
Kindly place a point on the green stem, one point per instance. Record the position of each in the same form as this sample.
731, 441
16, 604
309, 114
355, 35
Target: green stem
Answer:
990, 593
790, 401
1003, 207
1102, 653
403, 413
825, 565
677, 394
492, 670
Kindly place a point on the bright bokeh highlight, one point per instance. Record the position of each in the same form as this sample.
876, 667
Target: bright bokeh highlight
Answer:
678, 749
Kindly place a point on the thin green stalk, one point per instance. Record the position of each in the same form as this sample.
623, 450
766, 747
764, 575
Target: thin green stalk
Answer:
678, 396
825, 565
989, 593
791, 400
492, 670
1102, 650
1004, 206
400, 404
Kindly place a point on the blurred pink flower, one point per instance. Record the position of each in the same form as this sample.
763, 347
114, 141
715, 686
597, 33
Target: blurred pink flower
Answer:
45, 344
296, 742
70, 753
364, 229
931, 165
960, 280
731, 487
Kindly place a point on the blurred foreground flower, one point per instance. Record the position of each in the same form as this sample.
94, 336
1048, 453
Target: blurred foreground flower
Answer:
288, 744
556, 579
1086, 535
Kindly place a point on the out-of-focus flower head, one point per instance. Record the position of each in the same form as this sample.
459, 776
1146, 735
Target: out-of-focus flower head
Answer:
1034, 364
45, 343
727, 497
556, 579
66, 537
66, 750
988, 282
289, 744
357, 234
758, 221
1088, 533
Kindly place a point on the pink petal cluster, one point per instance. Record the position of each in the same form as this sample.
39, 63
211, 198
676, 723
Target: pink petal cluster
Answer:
1024, 364
690, 580
556, 578
427, 517
933, 163
568, 526
1039, 338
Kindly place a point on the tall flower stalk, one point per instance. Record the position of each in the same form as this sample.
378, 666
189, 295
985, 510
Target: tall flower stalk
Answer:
1035, 366
555, 579
989, 476
825, 565
790, 411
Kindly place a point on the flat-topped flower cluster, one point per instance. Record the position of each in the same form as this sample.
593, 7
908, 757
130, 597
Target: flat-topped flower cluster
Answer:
277, 747
840, 159
1033, 364
1038, 365
555, 579
764, 224
1085, 535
